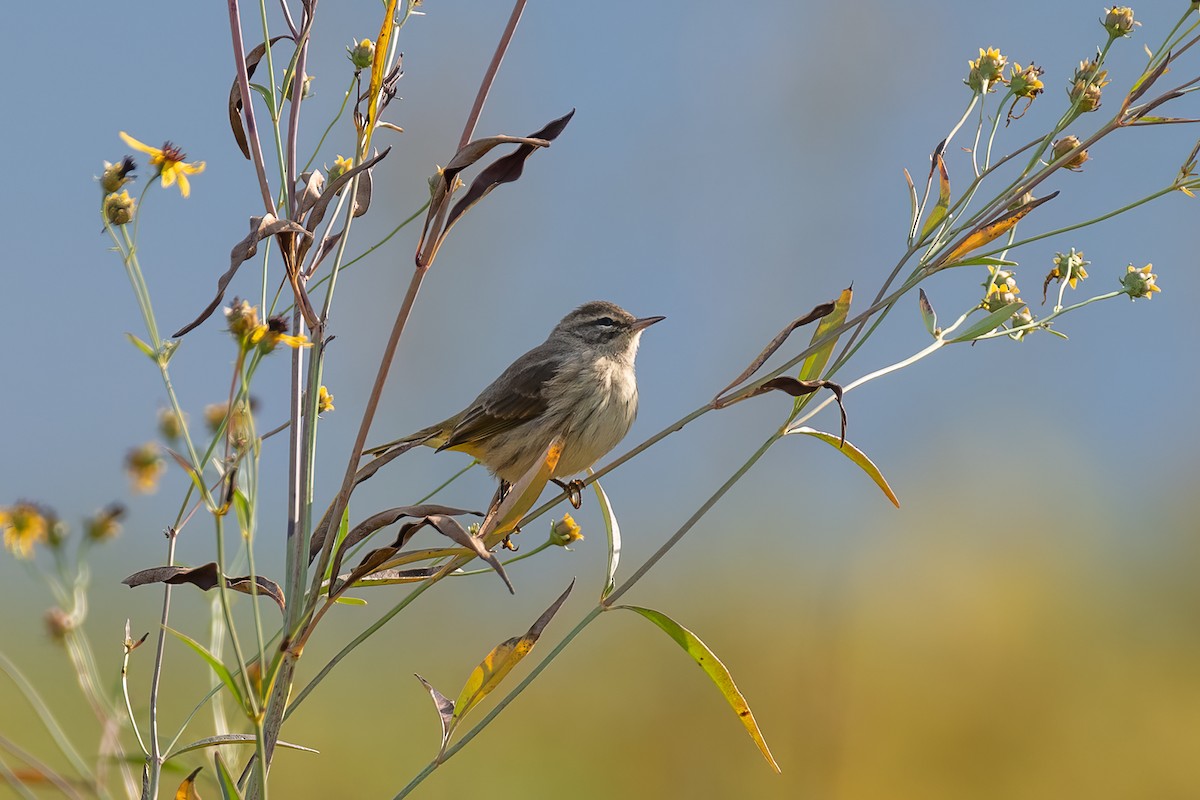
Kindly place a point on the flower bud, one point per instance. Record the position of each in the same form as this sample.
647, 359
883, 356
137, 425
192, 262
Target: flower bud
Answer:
362, 54
105, 524
1066, 145
58, 623
119, 208
1118, 21
565, 531
1140, 282
986, 71
117, 175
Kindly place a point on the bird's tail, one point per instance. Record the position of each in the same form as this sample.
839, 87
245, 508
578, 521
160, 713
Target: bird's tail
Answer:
433, 436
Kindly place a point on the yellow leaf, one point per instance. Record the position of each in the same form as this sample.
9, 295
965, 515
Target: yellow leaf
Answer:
708, 661
381, 51
187, 789
814, 365
987, 233
943, 204
498, 663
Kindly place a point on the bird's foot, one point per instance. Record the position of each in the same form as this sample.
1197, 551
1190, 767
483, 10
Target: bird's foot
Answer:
507, 542
574, 490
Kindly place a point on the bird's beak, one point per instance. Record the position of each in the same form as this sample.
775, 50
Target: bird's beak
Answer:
645, 322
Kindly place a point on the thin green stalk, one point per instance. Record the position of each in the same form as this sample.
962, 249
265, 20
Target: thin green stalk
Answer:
47, 717
492, 714
604, 605
274, 102
332, 122
355, 642
17, 785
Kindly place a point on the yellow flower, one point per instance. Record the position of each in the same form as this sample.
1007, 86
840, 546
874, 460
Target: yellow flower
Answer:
324, 400
145, 467
170, 163
339, 168
275, 333
1140, 282
1001, 288
105, 524
24, 525
1085, 88
1026, 81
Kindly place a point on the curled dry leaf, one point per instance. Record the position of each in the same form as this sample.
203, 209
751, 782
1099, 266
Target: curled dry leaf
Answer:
260, 228
440, 219
235, 96
205, 577
824, 309
384, 518
313, 182
445, 710
443, 524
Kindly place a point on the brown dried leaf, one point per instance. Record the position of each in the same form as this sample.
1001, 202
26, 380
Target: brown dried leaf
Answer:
439, 220
235, 96
381, 520
260, 228
331, 189
823, 310
445, 709
313, 182
205, 577
798, 388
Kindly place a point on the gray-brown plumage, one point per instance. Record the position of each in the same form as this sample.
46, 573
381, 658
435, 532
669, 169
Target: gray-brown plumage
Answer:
578, 384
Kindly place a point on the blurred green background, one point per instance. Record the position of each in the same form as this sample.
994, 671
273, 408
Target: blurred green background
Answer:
1024, 626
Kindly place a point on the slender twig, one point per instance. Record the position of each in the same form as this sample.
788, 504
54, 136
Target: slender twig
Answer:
46, 772
46, 716
490, 76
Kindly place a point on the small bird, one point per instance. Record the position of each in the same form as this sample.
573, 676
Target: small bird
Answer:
578, 384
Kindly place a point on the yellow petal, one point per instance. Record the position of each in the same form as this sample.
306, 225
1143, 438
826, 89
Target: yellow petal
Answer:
168, 177
136, 145
195, 168
185, 188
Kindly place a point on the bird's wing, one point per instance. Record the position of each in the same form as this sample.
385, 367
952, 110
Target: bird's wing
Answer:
496, 411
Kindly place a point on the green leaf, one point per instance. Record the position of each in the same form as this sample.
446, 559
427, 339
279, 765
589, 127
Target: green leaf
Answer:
146, 349
231, 738
990, 322
928, 315
815, 364
498, 663
229, 790
854, 454
708, 661
220, 669
986, 261
350, 601
614, 539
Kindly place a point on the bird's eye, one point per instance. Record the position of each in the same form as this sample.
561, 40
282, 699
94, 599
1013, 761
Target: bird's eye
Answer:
605, 322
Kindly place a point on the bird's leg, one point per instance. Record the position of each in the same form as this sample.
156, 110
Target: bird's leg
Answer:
574, 490
502, 492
